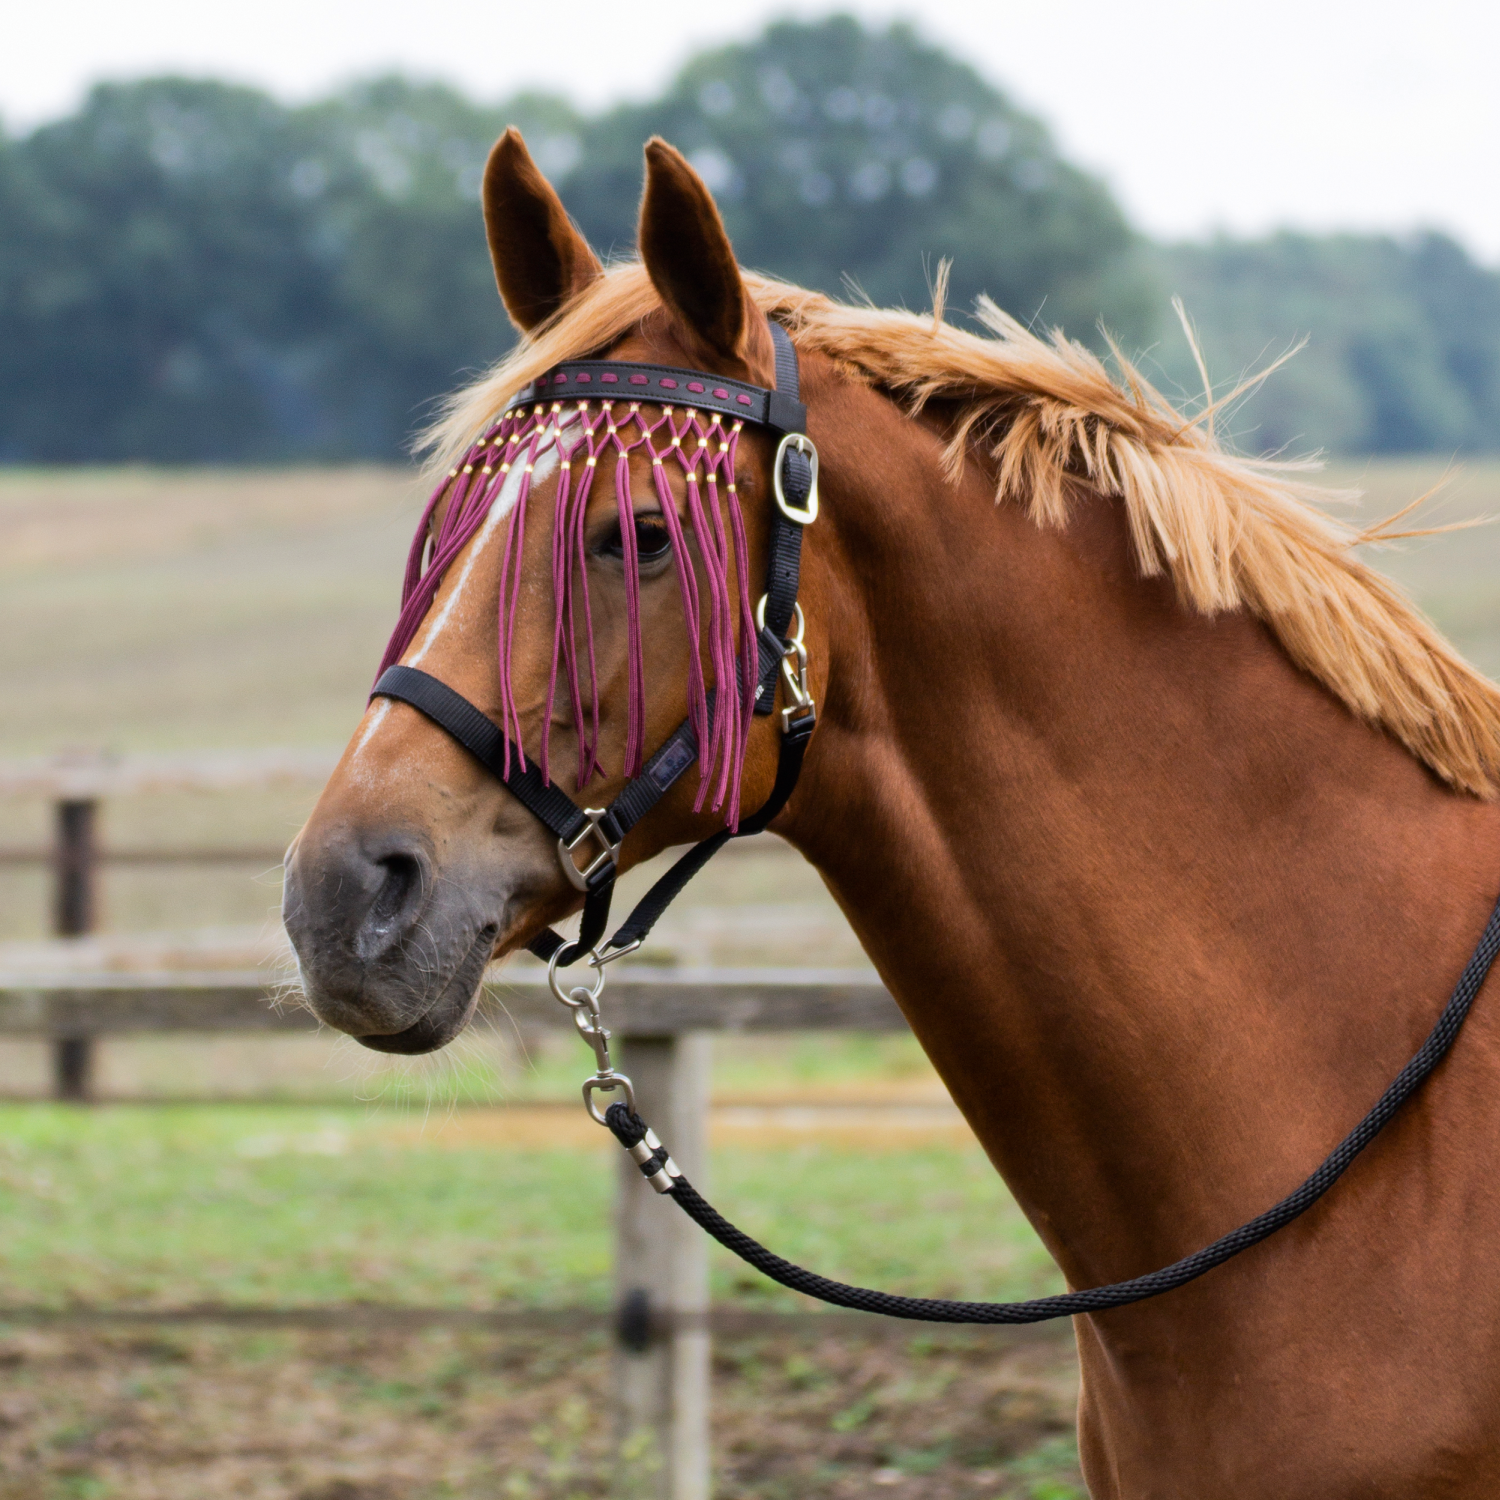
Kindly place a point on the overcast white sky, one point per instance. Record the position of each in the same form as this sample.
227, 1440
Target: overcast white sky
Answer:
1201, 115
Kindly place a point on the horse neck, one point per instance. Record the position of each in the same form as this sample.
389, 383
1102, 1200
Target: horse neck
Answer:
1166, 917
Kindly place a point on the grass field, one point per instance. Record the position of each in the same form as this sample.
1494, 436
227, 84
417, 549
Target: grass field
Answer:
247, 1207
161, 1207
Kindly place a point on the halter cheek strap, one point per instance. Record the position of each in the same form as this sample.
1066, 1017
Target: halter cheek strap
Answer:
599, 832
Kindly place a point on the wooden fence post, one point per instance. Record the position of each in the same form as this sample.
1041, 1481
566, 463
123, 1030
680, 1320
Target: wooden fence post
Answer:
75, 910
661, 1284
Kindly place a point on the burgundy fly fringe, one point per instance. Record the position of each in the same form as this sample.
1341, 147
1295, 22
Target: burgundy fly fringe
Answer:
705, 452
570, 593
635, 732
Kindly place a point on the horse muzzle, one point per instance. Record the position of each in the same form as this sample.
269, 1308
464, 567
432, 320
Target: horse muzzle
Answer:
390, 951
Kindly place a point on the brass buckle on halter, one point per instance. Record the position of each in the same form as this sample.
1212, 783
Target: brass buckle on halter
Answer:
608, 854
803, 445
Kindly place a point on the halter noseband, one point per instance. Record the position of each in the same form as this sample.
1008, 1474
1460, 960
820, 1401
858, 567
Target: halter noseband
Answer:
599, 832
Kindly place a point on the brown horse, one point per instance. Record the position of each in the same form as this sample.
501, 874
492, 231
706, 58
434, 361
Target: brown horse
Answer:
1168, 823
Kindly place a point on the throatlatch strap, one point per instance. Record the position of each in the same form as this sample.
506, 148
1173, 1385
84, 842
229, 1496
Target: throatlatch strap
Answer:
632, 1133
785, 562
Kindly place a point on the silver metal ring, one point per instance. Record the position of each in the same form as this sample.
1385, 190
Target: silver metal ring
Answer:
592, 993
799, 624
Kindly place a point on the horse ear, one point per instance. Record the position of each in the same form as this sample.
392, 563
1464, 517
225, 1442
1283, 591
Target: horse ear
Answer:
691, 263
540, 258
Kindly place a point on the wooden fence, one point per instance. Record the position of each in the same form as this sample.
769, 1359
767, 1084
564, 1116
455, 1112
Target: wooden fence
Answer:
664, 1019
75, 786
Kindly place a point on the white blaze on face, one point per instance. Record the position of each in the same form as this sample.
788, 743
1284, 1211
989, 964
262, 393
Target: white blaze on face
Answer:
542, 467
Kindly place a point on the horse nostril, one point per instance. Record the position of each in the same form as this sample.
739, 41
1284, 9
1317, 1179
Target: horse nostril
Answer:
400, 889
358, 905
403, 881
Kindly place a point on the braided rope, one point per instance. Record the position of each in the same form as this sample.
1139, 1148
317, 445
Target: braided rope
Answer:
629, 1129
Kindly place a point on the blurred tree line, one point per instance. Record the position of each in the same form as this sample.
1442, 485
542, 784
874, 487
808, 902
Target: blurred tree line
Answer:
190, 271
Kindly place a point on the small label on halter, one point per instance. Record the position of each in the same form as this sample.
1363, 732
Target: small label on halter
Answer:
674, 760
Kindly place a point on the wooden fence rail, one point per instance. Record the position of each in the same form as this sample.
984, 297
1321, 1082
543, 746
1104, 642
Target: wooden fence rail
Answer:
640, 1002
34, 855
76, 784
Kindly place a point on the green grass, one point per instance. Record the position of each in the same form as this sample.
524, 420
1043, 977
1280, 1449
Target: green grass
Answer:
822, 1065
151, 1206
157, 1207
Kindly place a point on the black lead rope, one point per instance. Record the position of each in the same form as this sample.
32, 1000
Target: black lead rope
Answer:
663, 1174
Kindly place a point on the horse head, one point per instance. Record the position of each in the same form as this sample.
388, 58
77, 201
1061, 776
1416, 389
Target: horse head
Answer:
585, 577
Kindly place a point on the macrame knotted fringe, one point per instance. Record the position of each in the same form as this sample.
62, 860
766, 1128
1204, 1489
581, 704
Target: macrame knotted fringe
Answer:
587, 437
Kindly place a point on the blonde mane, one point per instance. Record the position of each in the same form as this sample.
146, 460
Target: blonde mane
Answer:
1230, 532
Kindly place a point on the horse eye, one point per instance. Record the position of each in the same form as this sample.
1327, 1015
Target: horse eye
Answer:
652, 540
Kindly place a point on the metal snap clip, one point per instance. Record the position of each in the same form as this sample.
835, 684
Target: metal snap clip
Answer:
606, 1085
793, 666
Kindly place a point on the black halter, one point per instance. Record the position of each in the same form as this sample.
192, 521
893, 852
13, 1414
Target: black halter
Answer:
598, 832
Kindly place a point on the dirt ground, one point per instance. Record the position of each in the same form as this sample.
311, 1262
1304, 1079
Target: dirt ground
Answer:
174, 1411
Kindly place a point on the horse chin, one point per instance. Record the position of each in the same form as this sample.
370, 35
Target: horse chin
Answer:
449, 1013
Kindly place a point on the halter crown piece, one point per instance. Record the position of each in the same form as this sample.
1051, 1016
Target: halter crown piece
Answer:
591, 412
